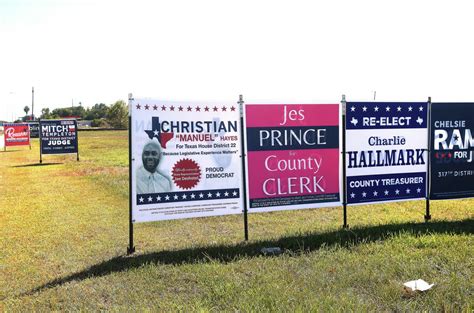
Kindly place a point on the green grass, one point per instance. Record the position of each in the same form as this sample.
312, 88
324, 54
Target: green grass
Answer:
64, 233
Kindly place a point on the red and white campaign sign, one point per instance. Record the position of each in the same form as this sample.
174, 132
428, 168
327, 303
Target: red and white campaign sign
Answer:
16, 134
293, 156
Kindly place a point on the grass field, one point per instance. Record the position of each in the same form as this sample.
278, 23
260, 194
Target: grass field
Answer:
64, 234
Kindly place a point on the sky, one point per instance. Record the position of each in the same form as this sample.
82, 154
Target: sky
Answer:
275, 51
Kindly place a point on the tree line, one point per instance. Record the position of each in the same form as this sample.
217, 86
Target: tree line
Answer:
101, 114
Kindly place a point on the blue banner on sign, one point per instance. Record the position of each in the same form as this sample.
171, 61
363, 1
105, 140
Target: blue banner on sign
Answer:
390, 187
296, 138
386, 115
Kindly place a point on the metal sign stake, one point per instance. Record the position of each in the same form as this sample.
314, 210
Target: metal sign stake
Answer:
244, 189
428, 184
343, 152
131, 247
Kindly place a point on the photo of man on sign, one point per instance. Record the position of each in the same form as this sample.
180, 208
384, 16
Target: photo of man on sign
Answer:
149, 179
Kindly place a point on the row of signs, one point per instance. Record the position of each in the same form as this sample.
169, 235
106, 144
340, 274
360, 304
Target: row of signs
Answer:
187, 157
56, 136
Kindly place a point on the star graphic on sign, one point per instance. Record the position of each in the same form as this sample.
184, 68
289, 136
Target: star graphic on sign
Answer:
386, 192
163, 108
193, 196
206, 109
364, 109
147, 106
455, 137
201, 195
418, 190
421, 109
226, 194
158, 198
353, 195
387, 109
167, 197
154, 132
397, 191
232, 108
399, 108
234, 193
198, 109
209, 195
150, 199
171, 108
419, 120
180, 109
354, 121
175, 197
141, 199
218, 194
353, 108
215, 109
364, 194
138, 106
376, 193
408, 190
410, 109
189, 109
155, 107
224, 109
376, 109
184, 196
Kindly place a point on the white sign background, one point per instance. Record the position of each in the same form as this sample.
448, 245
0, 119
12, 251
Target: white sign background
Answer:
211, 195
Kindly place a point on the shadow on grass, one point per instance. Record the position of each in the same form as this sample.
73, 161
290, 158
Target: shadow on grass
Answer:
5, 151
296, 244
37, 164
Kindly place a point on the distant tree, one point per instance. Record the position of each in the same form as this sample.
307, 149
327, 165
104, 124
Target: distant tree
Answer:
62, 112
46, 114
101, 122
98, 111
26, 109
78, 111
117, 115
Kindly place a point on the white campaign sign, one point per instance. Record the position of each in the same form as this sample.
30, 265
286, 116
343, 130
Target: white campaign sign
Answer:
186, 160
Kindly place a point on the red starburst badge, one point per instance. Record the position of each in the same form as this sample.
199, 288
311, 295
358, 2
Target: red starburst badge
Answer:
186, 173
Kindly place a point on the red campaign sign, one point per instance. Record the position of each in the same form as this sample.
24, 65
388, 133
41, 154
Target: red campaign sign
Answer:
293, 156
16, 135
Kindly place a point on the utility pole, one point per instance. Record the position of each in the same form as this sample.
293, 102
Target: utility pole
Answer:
33, 103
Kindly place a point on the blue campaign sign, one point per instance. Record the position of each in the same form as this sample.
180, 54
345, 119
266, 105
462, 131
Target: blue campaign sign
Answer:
452, 150
386, 151
58, 136
34, 129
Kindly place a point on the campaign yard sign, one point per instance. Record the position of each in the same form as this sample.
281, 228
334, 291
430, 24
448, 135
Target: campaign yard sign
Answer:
34, 129
452, 150
16, 134
293, 156
386, 151
186, 160
58, 136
